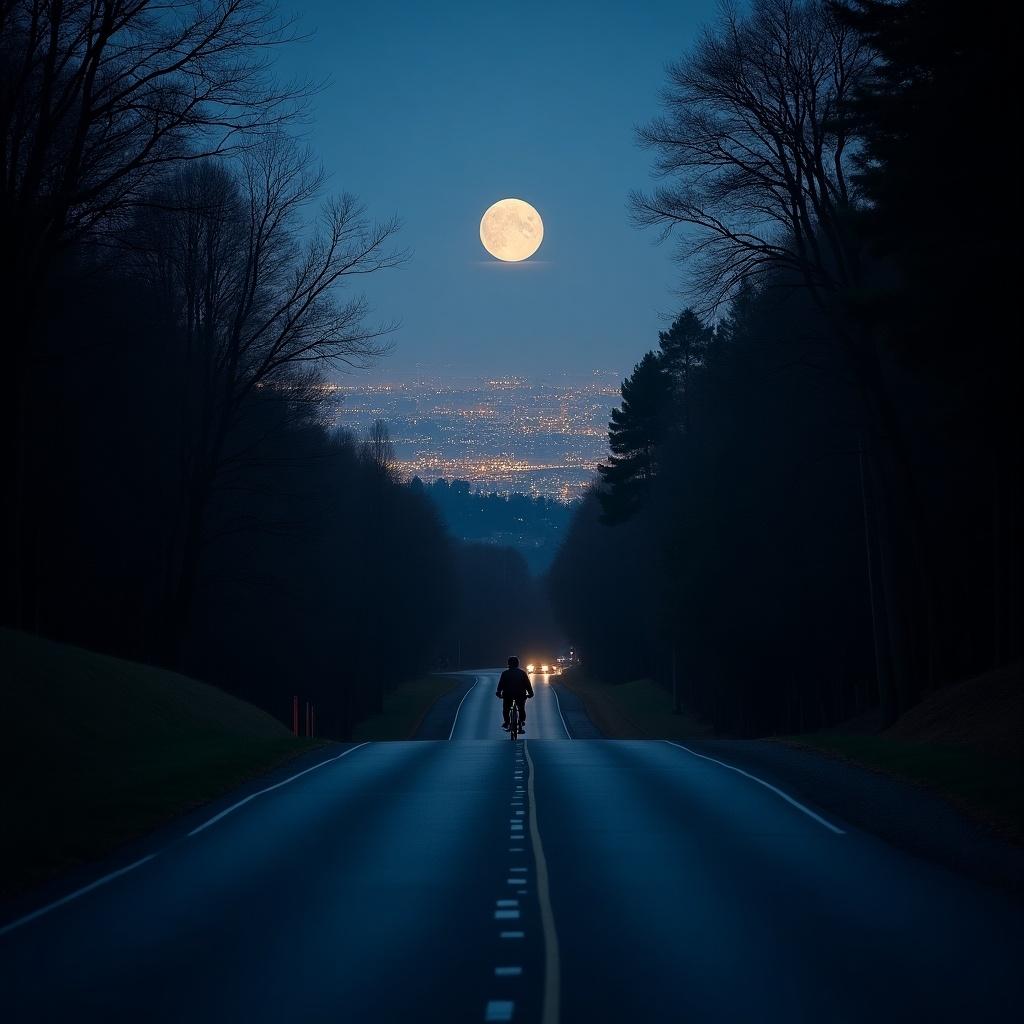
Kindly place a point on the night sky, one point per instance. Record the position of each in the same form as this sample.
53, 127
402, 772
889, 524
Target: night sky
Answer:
437, 110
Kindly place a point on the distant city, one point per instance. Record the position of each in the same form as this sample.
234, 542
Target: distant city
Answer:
502, 434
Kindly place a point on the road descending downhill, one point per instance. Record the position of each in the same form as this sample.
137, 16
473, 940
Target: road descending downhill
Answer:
552, 879
479, 717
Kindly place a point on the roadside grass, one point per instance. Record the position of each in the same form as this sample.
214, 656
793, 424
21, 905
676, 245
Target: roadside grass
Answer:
404, 709
639, 709
989, 789
99, 750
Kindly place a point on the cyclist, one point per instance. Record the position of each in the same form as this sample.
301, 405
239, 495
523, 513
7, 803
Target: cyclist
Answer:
514, 685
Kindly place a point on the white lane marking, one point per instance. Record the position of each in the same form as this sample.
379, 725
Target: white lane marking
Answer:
499, 1009
517, 869
506, 915
558, 704
507, 972
513, 881
506, 903
455, 720
516, 849
551, 1007
131, 867
74, 895
277, 785
767, 785
511, 935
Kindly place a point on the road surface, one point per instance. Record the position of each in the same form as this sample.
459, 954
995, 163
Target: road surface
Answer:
479, 716
476, 879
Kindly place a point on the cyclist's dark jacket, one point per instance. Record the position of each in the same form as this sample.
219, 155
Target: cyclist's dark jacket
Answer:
514, 682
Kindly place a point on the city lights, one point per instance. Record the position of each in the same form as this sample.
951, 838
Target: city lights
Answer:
503, 434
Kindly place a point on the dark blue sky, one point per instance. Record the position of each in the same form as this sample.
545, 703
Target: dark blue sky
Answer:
437, 110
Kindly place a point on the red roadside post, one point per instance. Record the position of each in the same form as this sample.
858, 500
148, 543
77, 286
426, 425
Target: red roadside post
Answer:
295, 715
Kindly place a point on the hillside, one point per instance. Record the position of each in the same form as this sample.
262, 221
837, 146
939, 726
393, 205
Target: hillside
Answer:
99, 750
964, 741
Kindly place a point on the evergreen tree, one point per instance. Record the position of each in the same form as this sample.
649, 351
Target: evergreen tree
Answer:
683, 347
635, 431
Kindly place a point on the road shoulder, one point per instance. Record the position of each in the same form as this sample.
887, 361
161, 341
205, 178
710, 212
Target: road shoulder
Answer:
906, 816
56, 886
436, 723
575, 713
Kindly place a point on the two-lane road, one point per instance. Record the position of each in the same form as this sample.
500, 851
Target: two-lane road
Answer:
549, 880
479, 716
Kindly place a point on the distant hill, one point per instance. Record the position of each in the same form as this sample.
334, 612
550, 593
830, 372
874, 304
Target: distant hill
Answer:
534, 526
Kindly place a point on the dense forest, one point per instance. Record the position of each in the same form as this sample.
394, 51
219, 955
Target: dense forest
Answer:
176, 284
812, 501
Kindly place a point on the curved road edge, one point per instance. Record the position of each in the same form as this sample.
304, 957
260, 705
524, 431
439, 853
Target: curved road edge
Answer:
88, 875
903, 815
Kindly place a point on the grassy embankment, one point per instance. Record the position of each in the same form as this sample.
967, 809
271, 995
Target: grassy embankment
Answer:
98, 750
963, 742
639, 709
404, 709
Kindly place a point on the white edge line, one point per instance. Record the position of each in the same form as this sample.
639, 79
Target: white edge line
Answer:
558, 704
476, 682
137, 864
277, 785
767, 785
74, 895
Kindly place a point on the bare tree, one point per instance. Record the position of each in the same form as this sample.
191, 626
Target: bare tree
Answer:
754, 149
379, 449
755, 152
257, 297
98, 98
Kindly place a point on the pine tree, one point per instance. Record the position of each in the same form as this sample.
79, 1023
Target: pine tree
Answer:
683, 347
635, 431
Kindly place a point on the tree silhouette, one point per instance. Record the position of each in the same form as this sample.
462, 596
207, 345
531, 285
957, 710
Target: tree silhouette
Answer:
257, 308
638, 426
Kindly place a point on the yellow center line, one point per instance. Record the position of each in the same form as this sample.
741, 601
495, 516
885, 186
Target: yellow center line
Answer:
552, 959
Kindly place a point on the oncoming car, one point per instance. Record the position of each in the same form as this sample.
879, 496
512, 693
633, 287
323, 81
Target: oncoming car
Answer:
544, 668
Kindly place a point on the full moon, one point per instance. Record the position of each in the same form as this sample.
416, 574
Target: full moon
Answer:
511, 230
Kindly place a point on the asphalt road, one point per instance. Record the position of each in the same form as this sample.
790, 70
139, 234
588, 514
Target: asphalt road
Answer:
556, 879
479, 716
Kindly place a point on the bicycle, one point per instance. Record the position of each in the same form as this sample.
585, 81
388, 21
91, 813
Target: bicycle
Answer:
513, 721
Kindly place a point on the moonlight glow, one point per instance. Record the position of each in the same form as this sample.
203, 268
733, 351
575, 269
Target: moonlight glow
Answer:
511, 230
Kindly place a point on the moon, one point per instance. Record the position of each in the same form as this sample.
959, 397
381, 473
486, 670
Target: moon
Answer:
511, 230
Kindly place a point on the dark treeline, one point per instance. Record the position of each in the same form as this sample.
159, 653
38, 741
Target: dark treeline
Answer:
502, 609
534, 525
173, 288
812, 503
